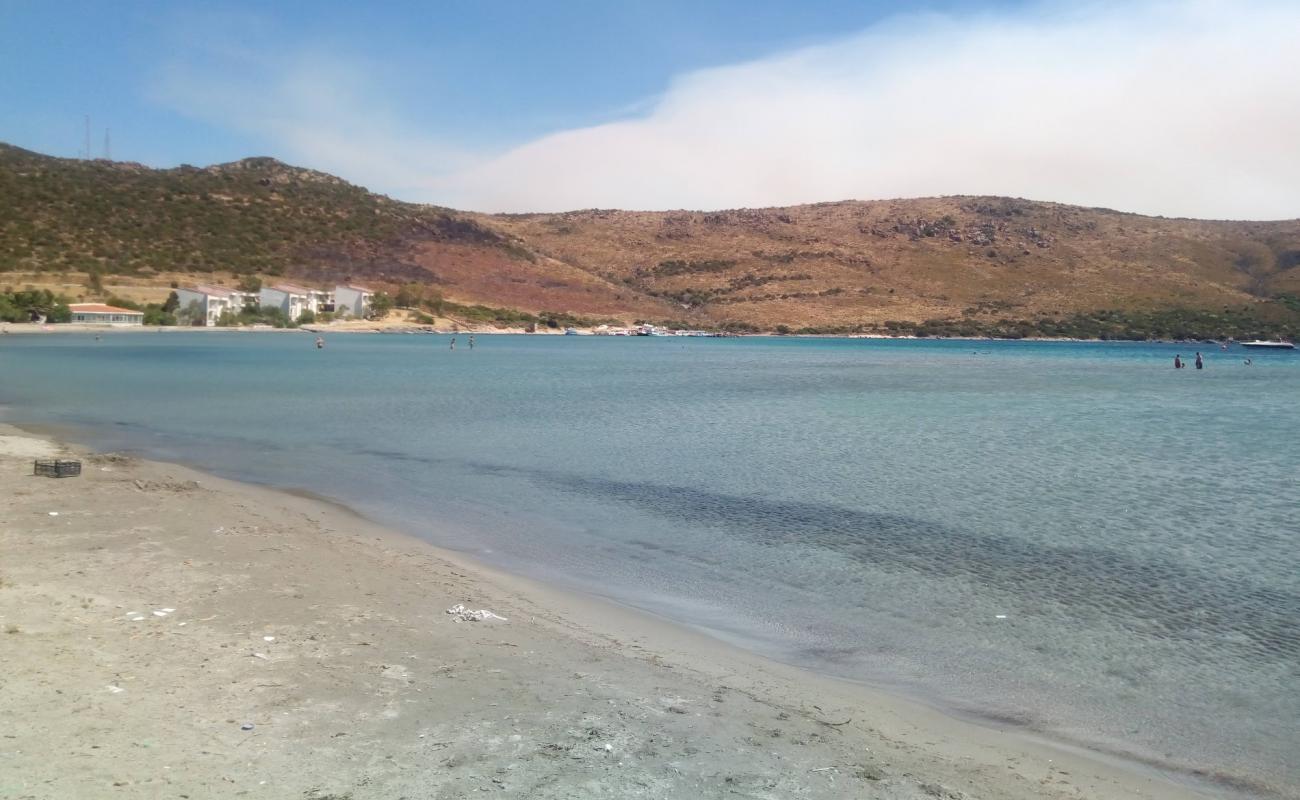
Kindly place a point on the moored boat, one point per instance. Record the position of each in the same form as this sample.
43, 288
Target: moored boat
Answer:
1266, 345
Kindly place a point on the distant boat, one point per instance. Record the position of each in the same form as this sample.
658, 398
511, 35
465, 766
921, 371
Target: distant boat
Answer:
1278, 345
570, 331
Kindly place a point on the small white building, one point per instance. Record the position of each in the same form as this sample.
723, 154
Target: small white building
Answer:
289, 298
321, 300
212, 302
293, 299
100, 314
241, 299
352, 301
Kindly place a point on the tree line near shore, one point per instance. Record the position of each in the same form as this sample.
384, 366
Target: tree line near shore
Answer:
1244, 323
1170, 324
42, 304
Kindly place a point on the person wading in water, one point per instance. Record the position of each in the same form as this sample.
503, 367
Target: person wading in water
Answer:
1178, 361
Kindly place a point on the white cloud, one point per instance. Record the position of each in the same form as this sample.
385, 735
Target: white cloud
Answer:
1176, 108
1165, 108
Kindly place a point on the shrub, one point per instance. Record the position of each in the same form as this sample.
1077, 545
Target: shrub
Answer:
380, 305
192, 314
409, 296
121, 302
10, 312
264, 315
22, 306
155, 315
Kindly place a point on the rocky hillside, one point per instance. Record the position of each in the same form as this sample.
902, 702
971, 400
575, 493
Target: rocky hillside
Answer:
834, 264
961, 263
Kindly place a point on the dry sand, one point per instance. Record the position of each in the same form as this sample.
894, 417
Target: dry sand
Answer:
163, 612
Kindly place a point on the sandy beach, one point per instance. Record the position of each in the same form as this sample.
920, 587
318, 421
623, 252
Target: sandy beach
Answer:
168, 634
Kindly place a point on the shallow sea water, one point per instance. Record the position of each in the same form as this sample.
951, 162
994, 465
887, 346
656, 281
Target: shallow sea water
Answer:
1070, 536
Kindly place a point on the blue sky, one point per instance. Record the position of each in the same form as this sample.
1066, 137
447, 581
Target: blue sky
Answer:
545, 106
477, 72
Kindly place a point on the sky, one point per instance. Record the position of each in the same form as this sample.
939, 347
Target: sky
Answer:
1173, 108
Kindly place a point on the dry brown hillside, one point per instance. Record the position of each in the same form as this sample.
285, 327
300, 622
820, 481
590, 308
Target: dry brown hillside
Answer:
834, 264
990, 264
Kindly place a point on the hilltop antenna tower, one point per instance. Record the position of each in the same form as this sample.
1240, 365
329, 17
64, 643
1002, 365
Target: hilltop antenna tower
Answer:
108, 147
87, 137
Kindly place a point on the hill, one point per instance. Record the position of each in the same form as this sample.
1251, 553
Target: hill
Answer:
936, 265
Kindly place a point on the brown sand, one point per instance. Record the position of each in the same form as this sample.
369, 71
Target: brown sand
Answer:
368, 689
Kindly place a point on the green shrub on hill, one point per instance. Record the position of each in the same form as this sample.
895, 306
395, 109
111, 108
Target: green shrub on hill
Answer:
251, 216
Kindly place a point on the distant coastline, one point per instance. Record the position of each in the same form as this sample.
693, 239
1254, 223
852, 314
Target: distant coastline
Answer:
18, 328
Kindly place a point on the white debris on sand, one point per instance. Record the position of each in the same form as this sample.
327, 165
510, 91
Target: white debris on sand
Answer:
462, 614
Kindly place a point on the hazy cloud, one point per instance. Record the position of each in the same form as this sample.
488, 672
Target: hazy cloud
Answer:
1188, 108
1169, 108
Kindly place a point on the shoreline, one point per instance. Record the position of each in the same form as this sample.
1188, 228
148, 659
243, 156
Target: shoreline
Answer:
32, 328
853, 723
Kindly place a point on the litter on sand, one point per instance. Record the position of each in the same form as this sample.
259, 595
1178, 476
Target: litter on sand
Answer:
116, 689
462, 614
268, 638
247, 726
1001, 616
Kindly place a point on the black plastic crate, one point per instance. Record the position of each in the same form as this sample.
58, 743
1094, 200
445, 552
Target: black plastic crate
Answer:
57, 467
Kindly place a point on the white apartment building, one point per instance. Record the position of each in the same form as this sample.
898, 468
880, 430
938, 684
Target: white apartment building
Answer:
352, 301
212, 302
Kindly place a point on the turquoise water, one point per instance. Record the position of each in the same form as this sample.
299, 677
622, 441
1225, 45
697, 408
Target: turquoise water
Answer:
866, 508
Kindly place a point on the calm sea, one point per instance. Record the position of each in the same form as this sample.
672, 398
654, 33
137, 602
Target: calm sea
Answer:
1073, 537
